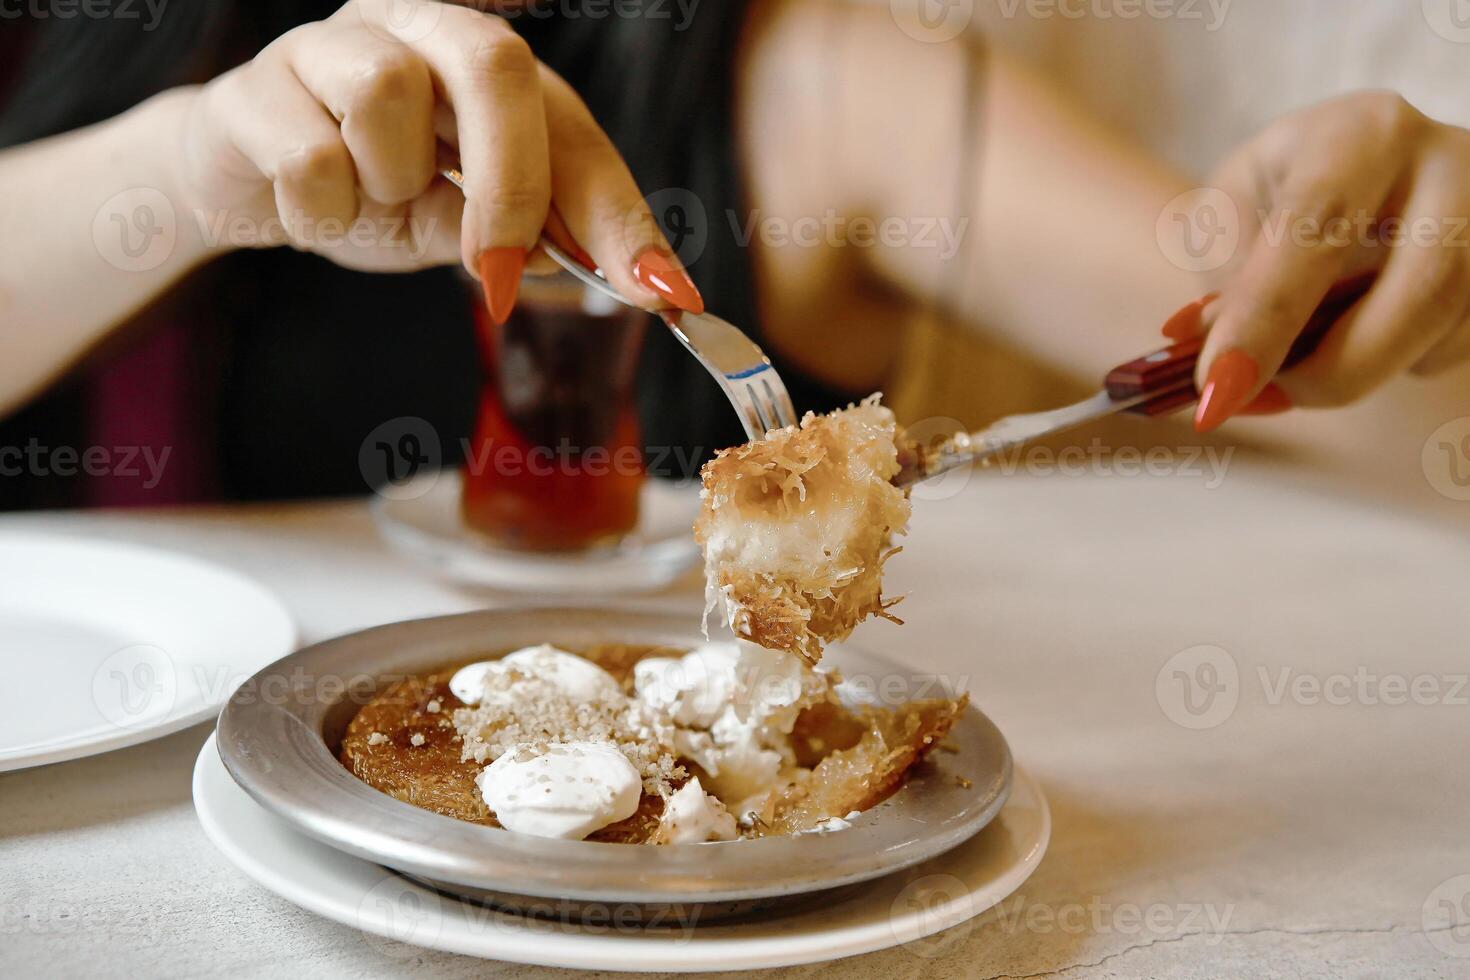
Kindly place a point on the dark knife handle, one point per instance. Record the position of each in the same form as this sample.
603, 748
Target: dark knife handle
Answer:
1169, 372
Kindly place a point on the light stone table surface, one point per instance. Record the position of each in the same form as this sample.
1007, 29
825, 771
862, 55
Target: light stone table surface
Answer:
1261, 807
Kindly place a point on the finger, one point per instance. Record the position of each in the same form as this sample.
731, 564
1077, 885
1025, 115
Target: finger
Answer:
603, 210
1296, 257
382, 96
488, 76
405, 237
1450, 352
1421, 296
293, 141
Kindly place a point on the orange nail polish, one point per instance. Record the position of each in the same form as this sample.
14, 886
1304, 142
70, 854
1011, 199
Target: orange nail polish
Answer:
500, 277
1231, 379
1188, 322
656, 270
1271, 401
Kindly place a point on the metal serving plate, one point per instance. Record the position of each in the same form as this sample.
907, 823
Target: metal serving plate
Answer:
280, 733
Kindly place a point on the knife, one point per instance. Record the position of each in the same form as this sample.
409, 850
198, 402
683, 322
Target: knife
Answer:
1156, 384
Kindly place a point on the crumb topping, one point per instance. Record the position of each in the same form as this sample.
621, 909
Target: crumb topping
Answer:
525, 714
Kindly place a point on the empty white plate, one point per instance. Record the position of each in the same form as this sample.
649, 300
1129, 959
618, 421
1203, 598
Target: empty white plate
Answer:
106, 644
912, 906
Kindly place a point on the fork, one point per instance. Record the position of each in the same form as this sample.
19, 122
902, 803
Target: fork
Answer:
741, 368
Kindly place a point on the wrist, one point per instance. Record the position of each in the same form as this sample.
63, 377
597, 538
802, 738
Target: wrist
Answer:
201, 214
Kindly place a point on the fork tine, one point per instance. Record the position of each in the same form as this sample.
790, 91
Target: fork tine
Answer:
785, 412
762, 408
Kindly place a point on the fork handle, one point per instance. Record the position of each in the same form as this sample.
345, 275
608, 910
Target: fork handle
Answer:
1169, 372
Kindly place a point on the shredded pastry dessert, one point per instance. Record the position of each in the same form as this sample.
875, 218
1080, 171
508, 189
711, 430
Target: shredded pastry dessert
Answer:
630, 744
722, 742
796, 527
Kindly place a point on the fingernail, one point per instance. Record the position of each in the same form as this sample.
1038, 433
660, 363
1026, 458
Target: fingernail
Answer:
1271, 401
1227, 387
656, 270
1189, 321
500, 276
556, 230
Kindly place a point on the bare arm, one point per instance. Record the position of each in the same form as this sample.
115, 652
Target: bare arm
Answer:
90, 236
327, 141
1040, 232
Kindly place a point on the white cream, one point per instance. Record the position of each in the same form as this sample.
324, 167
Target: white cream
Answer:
692, 816
832, 824
693, 689
734, 703
565, 790
577, 678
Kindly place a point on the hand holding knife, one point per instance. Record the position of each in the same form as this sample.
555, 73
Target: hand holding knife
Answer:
1155, 384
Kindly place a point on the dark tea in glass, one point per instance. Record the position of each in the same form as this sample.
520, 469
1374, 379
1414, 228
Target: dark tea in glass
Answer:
556, 462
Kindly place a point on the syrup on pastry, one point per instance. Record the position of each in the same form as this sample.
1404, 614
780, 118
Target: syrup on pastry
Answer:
796, 527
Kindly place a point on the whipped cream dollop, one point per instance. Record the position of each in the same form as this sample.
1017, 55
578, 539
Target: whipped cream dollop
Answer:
576, 677
694, 689
570, 752
734, 703
692, 816
565, 790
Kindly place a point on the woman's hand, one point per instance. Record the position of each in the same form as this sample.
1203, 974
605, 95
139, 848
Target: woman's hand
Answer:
1360, 183
329, 139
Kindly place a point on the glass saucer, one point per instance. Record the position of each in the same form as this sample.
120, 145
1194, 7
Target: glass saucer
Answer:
421, 519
